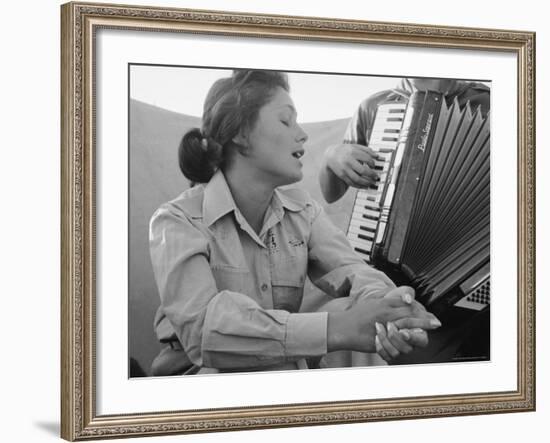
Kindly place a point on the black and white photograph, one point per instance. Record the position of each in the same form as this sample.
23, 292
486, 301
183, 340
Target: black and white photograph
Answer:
271, 218
285, 220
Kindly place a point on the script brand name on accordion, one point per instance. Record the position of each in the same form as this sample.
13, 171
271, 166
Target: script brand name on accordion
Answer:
425, 133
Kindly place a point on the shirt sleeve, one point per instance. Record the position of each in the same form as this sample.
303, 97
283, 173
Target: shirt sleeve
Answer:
220, 328
360, 125
333, 265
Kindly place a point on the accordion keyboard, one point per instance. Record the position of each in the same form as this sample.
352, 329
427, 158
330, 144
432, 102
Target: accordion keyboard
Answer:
370, 210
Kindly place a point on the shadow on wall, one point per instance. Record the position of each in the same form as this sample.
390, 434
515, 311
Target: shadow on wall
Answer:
155, 178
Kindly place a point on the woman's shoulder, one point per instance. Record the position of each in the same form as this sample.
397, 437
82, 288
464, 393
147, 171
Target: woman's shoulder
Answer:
188, 204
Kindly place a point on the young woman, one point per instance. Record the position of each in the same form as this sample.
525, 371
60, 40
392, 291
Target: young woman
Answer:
231, 255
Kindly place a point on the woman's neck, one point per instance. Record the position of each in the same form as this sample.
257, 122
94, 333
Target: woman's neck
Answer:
252, 195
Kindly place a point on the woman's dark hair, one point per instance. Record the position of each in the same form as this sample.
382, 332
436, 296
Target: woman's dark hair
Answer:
232, 105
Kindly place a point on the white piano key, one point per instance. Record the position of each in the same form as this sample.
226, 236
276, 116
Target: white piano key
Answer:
380, 126
387, 106
379, 144
361, 244
382, 114
382, 134
358, 223
376, 140
365, 194
372, 224
389, 118
372, 195
357, 230
369, 195
380, 150
360, 209
367, 203
386, 157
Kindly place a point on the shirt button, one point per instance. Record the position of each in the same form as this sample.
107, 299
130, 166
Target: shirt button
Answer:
264, 287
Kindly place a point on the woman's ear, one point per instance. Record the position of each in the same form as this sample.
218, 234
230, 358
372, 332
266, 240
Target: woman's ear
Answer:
241, 143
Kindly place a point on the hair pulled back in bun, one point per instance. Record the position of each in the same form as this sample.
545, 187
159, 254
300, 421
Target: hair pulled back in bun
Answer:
231, 106
198, 157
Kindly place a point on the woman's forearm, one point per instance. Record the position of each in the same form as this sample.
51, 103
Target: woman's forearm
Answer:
342, 334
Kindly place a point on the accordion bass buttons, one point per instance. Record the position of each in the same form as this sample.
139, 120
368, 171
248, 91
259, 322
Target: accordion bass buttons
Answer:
477, 290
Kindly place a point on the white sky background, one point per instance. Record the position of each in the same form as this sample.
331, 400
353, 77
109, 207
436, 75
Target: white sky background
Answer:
318, 97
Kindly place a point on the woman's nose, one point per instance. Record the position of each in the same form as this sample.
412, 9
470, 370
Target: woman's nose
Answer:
302, 136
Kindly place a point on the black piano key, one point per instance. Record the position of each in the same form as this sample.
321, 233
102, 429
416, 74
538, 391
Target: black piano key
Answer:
369, 217
362, 251
364, 237
368, 208
391, 131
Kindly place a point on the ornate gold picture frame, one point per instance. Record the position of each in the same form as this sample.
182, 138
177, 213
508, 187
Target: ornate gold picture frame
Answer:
80, 419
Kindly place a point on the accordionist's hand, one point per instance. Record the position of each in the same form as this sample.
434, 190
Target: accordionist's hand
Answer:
353, 164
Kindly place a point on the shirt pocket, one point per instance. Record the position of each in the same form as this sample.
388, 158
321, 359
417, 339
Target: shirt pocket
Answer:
232, 279
288, 271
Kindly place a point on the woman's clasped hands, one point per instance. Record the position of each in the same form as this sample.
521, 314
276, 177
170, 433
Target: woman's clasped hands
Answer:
391, 325
402, 336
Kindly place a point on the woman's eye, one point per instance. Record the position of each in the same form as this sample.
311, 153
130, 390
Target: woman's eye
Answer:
284, 122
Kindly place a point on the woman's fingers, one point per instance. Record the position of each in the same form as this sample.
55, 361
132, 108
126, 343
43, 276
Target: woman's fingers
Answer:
381, 334
404, 293
417, 337
397, 339
381, 351
427, 323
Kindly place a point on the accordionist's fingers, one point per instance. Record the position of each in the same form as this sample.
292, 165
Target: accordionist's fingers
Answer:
351, 178
364, 171
364, 153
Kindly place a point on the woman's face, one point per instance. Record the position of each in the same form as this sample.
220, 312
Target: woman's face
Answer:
276, 142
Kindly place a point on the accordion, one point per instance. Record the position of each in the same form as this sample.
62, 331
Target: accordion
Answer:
426, 223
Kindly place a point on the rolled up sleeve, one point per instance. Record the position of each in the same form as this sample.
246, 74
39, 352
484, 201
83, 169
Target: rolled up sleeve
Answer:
220, 328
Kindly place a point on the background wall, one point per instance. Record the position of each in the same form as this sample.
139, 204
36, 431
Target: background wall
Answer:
29, 226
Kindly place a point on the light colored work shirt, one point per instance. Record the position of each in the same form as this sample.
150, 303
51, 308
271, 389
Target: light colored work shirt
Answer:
231, 296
